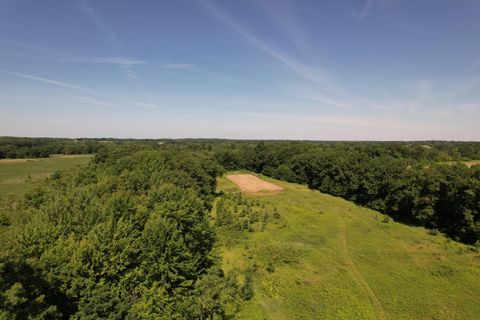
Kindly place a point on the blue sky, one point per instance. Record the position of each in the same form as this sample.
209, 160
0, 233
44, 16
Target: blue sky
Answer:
262, 69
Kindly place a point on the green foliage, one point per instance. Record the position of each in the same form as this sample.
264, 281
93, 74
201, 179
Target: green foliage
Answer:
247, 287
4, 219
126, 237
402, 180
234, 211
12, 147
270, 267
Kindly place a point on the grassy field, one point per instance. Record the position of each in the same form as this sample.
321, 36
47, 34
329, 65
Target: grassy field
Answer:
336, 260
20, 175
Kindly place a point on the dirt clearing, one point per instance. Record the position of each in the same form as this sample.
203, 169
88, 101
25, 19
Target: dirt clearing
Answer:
250, 184
16, 160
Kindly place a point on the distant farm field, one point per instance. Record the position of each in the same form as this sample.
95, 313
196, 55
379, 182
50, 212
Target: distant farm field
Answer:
327, 258
19, 175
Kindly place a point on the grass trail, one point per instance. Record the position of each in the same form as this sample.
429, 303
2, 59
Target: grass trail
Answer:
357, 275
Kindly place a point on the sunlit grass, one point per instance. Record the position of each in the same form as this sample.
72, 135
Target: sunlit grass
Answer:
19, 175
336, 260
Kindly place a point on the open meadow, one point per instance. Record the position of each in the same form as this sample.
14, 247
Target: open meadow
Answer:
19, 175
327, 258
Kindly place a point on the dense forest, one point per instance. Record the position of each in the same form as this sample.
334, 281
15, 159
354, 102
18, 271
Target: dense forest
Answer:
127, 237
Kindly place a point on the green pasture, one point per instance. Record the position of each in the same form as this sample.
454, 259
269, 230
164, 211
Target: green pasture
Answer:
335, 260
19, 175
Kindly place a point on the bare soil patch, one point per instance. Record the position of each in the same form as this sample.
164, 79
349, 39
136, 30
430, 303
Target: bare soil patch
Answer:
472, 163
17, 160
251, 184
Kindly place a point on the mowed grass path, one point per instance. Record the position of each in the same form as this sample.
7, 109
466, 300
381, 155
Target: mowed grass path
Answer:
19, 175
336, 260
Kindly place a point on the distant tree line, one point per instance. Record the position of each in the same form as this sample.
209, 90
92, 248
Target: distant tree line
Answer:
12, 148
16, 147
412, 182
128, 237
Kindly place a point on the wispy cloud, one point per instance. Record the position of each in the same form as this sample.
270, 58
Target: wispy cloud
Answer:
283, 14
301, 69
321, 98
325, 92
339, 101
38, 49
93, 101
144, 105
468, 111
108, 60
365, 11
101, 100
45, 80
322, 89
95, 17
120, 60
194, 69
177, 66
124, 63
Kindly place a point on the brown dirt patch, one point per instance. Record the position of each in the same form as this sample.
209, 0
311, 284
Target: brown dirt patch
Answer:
16, 160
472, 163
250, 184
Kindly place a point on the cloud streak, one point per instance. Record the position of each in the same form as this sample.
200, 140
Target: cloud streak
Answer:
282, 14
321, 98
177, 66
45, 80
125, 64
193, 69
38, 49
144, 105
366, 10
301, 69
339, 101
329, 94
94, 17
118, 60
109, 60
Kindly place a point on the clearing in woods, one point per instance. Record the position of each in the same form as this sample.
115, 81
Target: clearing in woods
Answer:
249, 183
327, 258
20, 175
